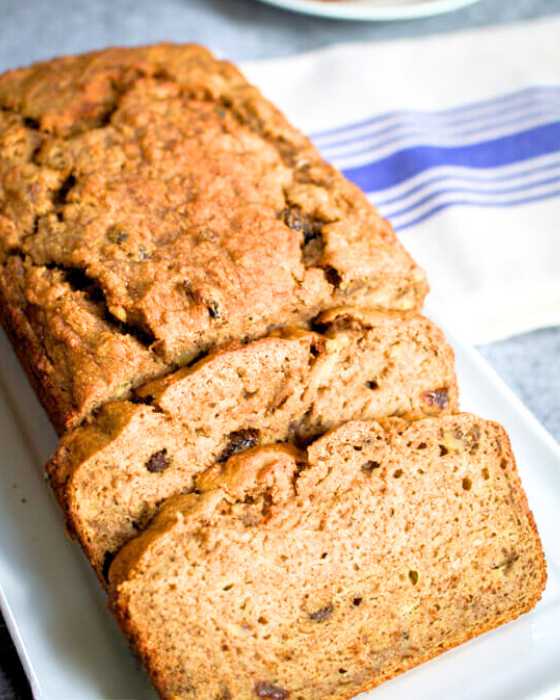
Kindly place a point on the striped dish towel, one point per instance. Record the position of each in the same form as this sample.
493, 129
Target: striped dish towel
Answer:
457, 140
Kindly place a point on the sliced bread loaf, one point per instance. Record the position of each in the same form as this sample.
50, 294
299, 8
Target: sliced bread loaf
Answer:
322, 574
111, 475
162, 195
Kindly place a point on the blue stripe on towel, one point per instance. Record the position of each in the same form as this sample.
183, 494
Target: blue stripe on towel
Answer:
507, 150
400, 136
465, 201
518, 189
474, 177
456, 115
388, 150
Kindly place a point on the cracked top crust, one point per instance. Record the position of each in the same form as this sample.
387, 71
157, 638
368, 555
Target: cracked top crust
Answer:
166, 192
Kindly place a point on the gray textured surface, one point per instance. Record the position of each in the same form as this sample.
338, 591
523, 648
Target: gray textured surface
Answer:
34, 29
241, 29
530, 364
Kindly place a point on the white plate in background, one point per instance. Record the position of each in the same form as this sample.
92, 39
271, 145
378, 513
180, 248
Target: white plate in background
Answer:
72, 650
372, 10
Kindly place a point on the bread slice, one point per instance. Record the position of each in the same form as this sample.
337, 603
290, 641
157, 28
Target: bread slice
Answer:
110, 476
166, 196
322, 574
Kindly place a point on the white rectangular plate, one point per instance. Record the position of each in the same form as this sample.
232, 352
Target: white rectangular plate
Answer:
71, 648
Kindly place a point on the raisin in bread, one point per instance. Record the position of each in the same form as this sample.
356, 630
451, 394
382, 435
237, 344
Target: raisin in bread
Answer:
322, 574
157, 191
110, 475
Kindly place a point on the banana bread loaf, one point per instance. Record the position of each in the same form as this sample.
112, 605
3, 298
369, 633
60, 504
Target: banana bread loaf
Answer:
111, 475
320, 575
158, 194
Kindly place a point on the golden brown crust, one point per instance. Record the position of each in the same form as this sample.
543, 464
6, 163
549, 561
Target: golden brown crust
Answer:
74, 358
426, 544
160, 183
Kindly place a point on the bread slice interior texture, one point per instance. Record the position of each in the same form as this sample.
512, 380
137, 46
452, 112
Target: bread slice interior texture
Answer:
320, 573
111, 475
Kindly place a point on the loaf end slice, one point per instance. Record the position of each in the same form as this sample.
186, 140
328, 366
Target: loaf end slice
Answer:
111, 475
323, 574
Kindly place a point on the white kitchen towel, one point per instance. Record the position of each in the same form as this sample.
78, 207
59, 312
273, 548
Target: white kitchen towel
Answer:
457, 140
